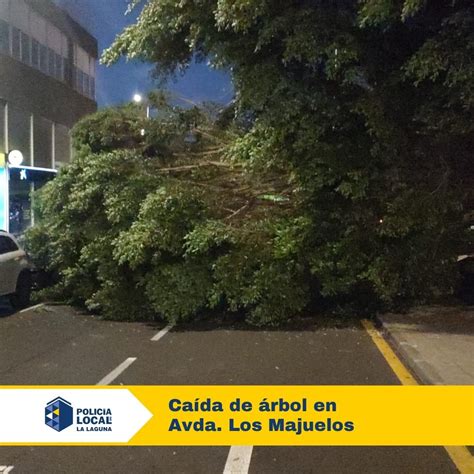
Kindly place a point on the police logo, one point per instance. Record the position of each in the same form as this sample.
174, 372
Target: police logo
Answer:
58, 414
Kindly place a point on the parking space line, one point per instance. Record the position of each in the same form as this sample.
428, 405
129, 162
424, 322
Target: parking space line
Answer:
29, 309
460, 455
109, 378
162, 333
238, 460
6, 469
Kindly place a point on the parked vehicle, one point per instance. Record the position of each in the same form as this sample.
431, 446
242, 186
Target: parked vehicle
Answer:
16, 271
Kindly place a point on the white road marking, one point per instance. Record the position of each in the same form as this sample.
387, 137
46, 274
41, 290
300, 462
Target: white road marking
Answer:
109, 378
29, 309
6, 469
162, 333
238, 460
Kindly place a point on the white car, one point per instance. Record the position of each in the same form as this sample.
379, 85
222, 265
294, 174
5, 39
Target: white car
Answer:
16, 271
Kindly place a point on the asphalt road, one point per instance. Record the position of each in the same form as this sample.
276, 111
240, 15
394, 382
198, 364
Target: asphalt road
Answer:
55, 345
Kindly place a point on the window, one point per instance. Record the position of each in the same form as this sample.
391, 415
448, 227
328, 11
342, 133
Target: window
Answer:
16, 43
64, 46
62, 145
59, 67
92, 91
91, 66
7, 245
44, 59
91, 77
86, 85
35, 41
35, 54
66, 69
4, 37
2, 127
51, 62
25, 48
19, 126
79, 81
43, 142
84, 67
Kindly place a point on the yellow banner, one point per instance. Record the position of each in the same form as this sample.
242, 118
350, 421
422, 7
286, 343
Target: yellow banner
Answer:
247, 415
309, 415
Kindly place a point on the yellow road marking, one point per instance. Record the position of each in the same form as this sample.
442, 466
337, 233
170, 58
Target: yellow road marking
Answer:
462, 458
460, 455
393, 361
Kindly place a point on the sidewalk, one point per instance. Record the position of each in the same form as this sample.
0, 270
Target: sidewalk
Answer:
435, 342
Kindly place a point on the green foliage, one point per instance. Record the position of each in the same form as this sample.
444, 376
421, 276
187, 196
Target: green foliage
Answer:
109, 129
348, 170
139, 237
179, 290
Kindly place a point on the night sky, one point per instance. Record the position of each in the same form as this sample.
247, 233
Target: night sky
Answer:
116, 84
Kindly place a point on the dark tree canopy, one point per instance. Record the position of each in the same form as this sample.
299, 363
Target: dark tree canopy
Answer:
344, 172
370, 102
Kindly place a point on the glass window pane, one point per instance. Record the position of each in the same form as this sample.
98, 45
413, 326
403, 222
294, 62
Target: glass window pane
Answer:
19, 202
4, 37
59, 67
44, 59
82, 59
66, 70
7, 245
2, 127
62, 145
16, 38
91, 66
51, 62
19, 123
86, 85
12, 246
64, 46
78, 80
43, 141
35, 54
25, 48
92, 84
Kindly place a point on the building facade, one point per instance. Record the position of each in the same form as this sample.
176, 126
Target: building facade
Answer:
47, 83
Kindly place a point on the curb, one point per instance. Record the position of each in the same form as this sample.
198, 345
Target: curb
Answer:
420, 368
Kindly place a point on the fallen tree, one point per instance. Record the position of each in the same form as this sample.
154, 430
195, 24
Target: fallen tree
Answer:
346, 176
144, 225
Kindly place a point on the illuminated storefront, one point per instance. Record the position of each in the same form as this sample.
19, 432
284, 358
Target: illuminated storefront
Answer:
32, 149
17, 185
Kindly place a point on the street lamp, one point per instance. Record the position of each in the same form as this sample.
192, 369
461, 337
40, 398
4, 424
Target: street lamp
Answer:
137, 98
15, 158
